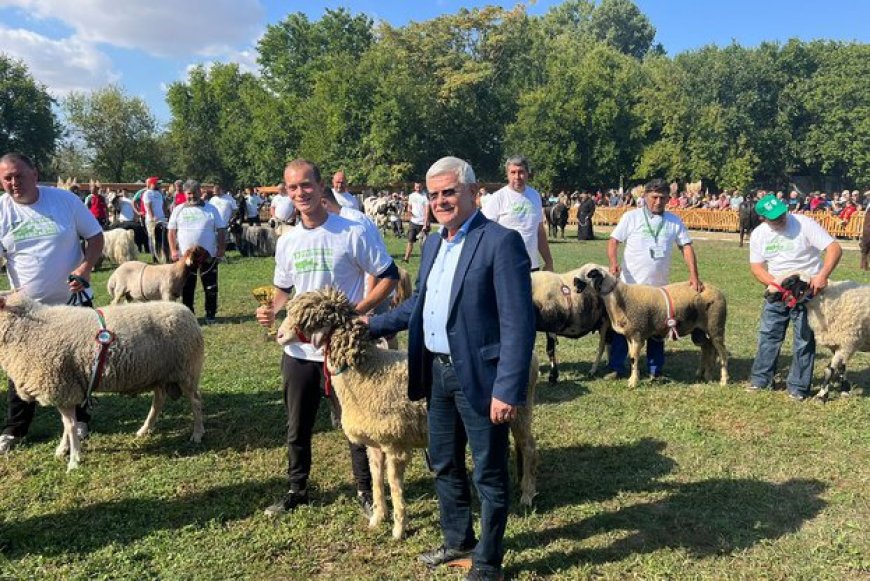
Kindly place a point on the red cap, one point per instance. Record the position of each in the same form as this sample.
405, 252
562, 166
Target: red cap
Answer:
152, 180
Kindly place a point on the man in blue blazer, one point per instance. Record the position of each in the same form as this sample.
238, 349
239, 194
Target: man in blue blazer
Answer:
471, 330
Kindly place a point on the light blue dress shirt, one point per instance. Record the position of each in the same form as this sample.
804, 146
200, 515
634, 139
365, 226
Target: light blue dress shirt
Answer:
436, 305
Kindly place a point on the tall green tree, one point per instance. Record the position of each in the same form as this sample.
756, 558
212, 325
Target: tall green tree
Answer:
622, 25
27, 123
117, 129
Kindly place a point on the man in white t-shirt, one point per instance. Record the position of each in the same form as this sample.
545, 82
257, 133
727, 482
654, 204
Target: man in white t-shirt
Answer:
196, 223
418, 204
152, 201
483, 198
650, 234
323, 250
281, 208
518, 206
40, 233
784, 244
344, 197
253, 201
224, 203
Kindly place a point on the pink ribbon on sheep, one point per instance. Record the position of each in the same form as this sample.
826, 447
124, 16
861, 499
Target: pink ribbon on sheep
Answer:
671, 321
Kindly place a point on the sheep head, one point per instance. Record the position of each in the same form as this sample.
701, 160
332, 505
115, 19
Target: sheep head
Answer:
195, 257
596, 275
790, 289
323, 317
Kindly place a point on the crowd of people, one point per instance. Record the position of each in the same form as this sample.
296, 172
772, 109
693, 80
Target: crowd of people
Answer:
471, 320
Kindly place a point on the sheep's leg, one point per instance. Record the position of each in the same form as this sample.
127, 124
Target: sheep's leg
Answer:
708, 360
833, 371
524, 443
63, 446
634, 347
196, 407
376, 467
156, 406
396, 464
68, 415
602, 345
722, 352
551, 354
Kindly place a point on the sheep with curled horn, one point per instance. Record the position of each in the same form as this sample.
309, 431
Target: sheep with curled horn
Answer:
371, 385
640, 311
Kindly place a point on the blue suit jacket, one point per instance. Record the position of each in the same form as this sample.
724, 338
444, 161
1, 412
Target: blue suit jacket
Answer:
491, 321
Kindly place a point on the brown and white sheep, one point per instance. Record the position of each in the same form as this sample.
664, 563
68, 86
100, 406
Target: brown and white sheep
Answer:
561, 309
840, 319
640, 311
49, 354
137, 281
372, 387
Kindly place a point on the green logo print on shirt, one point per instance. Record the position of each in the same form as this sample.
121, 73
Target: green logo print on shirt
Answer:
312, 260
521, 209
779, 244
35, 228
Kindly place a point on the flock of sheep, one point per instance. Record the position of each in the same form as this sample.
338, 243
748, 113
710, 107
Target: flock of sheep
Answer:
370, 382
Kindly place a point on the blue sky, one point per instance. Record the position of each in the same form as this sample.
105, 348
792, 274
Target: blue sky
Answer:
146, 45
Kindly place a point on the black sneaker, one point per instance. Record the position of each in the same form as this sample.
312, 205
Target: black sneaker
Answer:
444, 556
288, 503
366, 503
476, 574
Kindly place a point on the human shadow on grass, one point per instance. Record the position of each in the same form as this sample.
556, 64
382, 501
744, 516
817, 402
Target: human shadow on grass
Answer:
86, 529
578, 474
711, 517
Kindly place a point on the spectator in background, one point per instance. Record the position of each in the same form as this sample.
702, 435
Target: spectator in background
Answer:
847, 212
96, 203
418, 204
281, 208
819, 203
224, 203
152, 202
253, 201
794, 202
342, 195
735, 201
178, 195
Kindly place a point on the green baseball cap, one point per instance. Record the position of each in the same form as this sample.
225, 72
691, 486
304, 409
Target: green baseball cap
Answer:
770, 207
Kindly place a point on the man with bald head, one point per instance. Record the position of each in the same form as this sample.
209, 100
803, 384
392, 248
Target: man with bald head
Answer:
471, 330
342, 195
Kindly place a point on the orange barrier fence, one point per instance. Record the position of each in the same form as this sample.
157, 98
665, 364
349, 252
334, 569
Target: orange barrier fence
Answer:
727, 220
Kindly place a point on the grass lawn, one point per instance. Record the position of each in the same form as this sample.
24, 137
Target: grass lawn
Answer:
682, 481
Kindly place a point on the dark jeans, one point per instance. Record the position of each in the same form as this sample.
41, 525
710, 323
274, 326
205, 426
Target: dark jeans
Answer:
452, 423
655, 354
771, 333
208, 274
19, 413
302, 393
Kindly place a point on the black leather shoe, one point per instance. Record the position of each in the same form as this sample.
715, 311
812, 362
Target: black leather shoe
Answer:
288, 503
366, 503
442, 555
479, 575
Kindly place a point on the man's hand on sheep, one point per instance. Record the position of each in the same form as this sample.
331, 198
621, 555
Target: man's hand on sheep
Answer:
176, 255
818, 283
83, 272
500, 412
614, 270
696, 284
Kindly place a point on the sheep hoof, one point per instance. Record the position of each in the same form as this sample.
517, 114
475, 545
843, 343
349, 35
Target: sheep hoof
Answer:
398, 532
73, 465
196, 438
554, 375
527, 499
61, 450
142, 432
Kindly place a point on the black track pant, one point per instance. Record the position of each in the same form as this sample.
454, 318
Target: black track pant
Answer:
302, 393
209, 277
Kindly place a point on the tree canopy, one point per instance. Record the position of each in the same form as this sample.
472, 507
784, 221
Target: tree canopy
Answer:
27, 123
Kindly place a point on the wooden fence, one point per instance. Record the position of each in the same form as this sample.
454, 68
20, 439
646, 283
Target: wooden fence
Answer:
728, 220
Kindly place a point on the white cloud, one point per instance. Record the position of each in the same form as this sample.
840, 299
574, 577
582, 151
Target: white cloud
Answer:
169, 28
61, 65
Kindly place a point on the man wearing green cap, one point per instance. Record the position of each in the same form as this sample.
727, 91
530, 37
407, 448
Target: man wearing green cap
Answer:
785, 244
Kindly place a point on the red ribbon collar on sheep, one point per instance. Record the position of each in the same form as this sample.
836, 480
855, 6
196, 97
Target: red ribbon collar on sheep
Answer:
788, 298
104, 339
671, 320
327, 376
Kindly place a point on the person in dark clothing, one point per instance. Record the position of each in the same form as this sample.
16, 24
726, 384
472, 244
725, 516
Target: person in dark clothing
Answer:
748, 216
584, 217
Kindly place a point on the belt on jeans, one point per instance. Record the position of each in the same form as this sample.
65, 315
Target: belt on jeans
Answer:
443, 359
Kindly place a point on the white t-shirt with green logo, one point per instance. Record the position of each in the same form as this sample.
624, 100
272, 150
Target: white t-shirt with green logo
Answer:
338, 253
649, 245
798, 248
41, 242
196, 225
522, 212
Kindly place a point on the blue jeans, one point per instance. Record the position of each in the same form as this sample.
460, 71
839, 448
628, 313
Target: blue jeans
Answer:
655, 355
452, 423
774, 323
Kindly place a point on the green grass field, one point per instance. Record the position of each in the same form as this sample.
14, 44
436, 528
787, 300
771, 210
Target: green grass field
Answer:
675, 481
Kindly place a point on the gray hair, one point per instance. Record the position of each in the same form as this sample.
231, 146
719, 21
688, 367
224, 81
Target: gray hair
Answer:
519, 160
459, 167
192, 186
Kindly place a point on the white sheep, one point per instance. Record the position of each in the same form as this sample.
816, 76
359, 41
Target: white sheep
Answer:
372, 388
257, 240
49, 354
840, 319
137, 281
119, 245
561, 309
640, 311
